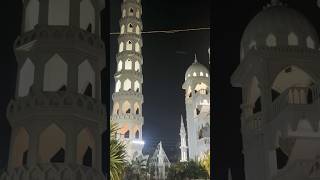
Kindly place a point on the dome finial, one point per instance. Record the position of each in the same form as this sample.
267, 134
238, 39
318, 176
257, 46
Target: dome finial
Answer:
195, 58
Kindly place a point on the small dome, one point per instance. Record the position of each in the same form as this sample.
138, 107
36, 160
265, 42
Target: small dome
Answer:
197, 70
278, 25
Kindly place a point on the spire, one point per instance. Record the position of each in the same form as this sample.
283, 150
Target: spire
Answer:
195, 58
182, 129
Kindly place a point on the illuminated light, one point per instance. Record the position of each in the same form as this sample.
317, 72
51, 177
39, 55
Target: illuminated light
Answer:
137, 142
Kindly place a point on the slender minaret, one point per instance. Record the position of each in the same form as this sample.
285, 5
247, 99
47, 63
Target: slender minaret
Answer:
183, 146
56, 116
127, 97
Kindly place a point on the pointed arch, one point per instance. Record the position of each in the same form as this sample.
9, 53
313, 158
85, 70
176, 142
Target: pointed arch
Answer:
55, 73
131, 11
87, 15
127, 85
136, 108
59, 11
122, 29
126, 107
129, 46
26, 78
123, 12
119, 67
118, 85
136, 86
137, 47
310, 42
137, 66
52, 140
85, 147
130, 28
31, 15
20, 147
116, 108
292, 39
128, 64
271, 40
138, 14
136, 135
86, 77
127, 134
194, 74
138, 31
121, 46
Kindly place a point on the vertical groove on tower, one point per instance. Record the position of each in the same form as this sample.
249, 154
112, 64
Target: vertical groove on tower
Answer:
127, 97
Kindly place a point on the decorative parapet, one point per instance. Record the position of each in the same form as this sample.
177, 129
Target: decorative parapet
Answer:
53, 171
253, 122
126, 117
63, 101
58, 33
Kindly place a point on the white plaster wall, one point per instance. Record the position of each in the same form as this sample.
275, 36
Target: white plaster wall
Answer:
58, 12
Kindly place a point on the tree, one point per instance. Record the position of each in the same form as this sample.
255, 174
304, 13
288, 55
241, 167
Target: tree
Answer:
205, 162
137, 169
184, 170
117, 155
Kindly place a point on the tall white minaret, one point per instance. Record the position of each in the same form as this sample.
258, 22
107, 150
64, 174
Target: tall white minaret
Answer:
128, 98
183, 146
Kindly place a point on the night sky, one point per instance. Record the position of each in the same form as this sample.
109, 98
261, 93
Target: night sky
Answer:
166, 59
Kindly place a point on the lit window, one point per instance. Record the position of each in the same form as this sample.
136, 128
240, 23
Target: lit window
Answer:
128, 64
271, 41
121, 47
310, 42
201, 73
194, 74
118, 86
137, 66
122, 29
120, 66
137, 30
129, 45
124, 13
127, 85
207, 75
130, 12
138, 14
130, 27
137, 47
292, 39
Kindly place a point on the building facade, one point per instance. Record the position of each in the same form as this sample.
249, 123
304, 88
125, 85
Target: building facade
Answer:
159, 163
127, 97
56, 116
197, 100
279, 76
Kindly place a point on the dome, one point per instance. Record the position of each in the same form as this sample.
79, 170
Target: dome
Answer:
197, 69
278, 25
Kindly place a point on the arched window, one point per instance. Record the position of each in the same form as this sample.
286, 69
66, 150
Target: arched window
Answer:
123, 12
55, 74
188, 92
31, 15
130, 27
138, 14
52, 149
137, 29
128, 64
118, 85
127, 85
137, 66
189, 75
292, 39
194, 74
253, 45
137, 47
136, 108
20, 147
121, 47
122, 29
129, 45
136, 86
116, 108
137, 134
130, 11
271, 40
58, 12
119, 65
126, 134
201, 73
87, 15
310, 42
86, 76
85, 148
207, 75
26, 78
126, 107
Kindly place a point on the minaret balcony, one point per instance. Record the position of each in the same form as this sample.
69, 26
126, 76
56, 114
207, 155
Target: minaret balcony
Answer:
48, 171
125, 95
201, 97
127, 118
295, 104
55, 104
252, 123
60, 37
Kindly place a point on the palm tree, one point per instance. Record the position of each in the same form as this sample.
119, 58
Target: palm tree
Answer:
117, 154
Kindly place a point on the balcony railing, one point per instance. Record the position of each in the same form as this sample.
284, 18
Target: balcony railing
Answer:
253, 122
297, 96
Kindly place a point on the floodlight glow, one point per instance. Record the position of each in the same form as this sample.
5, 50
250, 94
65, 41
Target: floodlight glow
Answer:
137, 142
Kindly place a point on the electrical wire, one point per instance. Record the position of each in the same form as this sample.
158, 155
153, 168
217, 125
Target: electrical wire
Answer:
167, 31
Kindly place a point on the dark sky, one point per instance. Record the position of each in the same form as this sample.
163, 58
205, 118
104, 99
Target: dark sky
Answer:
164, 64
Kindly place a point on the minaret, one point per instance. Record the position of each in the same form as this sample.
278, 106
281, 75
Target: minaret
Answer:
197, 100
127, 97
56, 115
183, 146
